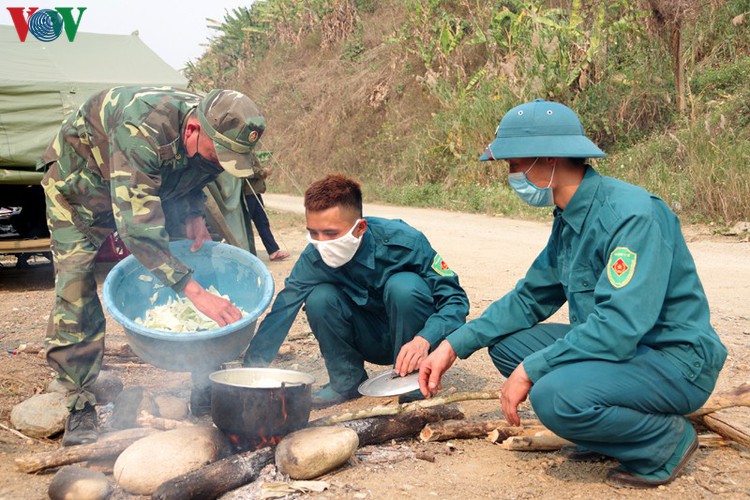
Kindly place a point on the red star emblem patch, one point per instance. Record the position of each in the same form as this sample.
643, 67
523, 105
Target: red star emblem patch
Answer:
620, 267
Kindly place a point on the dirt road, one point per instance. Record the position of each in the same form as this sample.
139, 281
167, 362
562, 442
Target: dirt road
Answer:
490, 254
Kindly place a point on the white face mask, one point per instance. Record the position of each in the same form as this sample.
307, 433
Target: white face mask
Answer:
336, 253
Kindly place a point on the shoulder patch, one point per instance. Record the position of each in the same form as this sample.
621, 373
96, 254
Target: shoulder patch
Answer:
621, 266
441, 267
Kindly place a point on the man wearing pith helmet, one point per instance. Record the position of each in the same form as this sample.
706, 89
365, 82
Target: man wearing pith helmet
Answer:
133, 159
639, 352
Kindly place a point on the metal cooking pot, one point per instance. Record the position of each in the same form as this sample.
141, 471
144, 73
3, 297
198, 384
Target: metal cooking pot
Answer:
258, 406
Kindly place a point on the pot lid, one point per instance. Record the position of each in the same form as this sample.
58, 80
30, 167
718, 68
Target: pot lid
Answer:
389, 383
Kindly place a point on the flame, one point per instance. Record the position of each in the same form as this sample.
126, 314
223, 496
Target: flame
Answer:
272, 441
234, 439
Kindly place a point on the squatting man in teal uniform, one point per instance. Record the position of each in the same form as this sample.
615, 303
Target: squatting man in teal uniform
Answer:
373, 289
639, 352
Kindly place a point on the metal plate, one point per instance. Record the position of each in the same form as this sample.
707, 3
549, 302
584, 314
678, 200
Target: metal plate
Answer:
389, 383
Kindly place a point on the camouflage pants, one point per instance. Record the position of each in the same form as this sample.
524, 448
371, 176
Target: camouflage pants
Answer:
75, 336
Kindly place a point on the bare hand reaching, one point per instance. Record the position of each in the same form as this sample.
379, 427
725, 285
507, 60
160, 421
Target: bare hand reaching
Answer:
411, 354
217, 308
515, 391
431, 370
196, 230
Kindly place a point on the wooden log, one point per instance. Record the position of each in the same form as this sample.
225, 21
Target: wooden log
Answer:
375, 430
722, 426
214, 480
502, 433
466, 429
145, 419
380, 411
544, 442
81, 453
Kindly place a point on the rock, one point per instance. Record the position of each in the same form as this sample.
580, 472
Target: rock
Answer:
171, 407
128, 405
40, 416
107, 387
740, 228
150, 461
78, 483
311, 452
56, 386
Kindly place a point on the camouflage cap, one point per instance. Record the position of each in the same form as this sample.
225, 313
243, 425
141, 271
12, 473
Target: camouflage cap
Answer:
235, 124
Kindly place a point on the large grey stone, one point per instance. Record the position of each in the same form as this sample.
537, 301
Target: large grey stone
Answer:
150, 461
311, 452
78, 483
40, 416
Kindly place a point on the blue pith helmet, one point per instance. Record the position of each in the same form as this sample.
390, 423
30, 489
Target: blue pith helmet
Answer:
540, 129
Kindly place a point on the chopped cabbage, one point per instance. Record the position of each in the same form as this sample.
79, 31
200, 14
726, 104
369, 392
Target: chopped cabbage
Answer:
180, 316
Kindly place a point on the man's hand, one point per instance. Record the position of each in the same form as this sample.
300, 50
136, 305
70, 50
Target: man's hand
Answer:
196, 230
217, 308
514, 392
411, 354
431, 370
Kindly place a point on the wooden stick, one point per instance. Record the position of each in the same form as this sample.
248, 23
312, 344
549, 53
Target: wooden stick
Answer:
466, 429
16, 433
380, 411
80, 453
721, 425
116, 349
214, 480
547, 441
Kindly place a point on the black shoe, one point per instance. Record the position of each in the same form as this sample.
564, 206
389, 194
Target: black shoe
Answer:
200, 401
80, 427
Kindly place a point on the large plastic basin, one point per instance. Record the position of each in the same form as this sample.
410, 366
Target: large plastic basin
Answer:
127, 294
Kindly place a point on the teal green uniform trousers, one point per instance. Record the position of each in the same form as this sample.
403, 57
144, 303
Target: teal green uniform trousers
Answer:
629, 410
349, 334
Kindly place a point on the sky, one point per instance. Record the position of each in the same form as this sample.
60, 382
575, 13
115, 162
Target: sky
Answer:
176, 30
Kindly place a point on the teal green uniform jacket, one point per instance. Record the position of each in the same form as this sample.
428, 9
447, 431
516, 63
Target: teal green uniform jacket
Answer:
618, 257
388, 247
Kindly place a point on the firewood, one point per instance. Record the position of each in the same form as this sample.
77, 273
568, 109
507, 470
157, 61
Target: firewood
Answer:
215, 479
466, 429
721, 425
380, 411
547, 441
107, 447
145, 419
544, 442
502, 433
375, 430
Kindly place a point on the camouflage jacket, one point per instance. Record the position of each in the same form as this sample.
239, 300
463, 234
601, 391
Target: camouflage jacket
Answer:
120, 161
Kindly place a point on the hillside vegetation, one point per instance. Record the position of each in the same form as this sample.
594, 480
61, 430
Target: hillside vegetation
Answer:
405, 94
